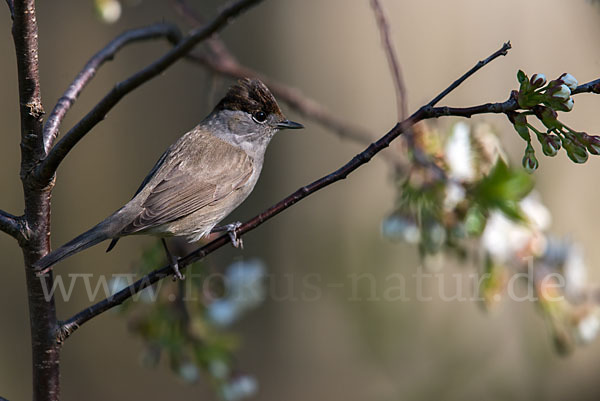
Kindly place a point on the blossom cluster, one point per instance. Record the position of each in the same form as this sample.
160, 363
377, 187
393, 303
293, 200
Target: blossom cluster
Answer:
544, 100
484, 206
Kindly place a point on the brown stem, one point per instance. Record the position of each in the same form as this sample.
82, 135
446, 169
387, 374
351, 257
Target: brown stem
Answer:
384, 30
425, 112
48, 166
169, 31
12, 225
482, 63
42, 313
590, 87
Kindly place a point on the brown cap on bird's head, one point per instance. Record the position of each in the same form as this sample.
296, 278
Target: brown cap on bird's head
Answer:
251, 96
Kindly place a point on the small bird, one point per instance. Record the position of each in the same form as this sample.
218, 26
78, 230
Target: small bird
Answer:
199, 180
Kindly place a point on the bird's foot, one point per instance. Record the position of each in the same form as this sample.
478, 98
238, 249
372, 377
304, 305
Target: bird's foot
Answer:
231, 231
173, 262
176, 273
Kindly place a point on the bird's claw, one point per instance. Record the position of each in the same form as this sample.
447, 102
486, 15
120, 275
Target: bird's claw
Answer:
172, 262
176, 273
231, 231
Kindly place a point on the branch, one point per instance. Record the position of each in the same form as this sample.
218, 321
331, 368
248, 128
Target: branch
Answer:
482, 63
48, 167
45, 353
25, 36
70, 325
171, 32
384, 30
590, 87
12, 225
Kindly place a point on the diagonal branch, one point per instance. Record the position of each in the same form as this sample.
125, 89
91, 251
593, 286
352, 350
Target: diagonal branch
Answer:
12, 225
590, 87
384, 30
171, 32
73, 323
482, 63
47, 168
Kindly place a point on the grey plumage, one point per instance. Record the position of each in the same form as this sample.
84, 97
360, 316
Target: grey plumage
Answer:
200, 179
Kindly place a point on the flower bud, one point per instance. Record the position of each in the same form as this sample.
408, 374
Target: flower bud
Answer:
537, 80
561, 92
569, 80
576, 152
530, 163
591, 142
568, 105
550, 145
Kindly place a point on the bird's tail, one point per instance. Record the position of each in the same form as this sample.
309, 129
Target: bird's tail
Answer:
89, 238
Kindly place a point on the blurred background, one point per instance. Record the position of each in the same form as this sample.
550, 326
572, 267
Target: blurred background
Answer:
339, 344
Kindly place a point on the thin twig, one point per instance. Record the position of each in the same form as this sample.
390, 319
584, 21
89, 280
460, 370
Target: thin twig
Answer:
48, 166
170, 31
386, 40
482, 63
590, 87
11, 225
70, 325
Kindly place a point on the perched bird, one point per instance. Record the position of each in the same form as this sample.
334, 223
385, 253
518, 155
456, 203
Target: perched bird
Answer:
199, 180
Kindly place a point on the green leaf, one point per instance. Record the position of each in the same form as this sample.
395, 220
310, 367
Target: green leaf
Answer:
521, 76
475, 221
502, 189
520, 125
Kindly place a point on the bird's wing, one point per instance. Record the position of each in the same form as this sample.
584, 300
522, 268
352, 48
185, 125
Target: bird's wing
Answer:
158, 164
188, 187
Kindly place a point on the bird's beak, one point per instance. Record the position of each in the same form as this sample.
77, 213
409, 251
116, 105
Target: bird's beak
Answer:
289, 125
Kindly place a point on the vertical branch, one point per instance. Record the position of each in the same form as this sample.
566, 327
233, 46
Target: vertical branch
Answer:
42, 312
386, 40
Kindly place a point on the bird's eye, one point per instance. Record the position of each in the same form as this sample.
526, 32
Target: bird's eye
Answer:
260, 116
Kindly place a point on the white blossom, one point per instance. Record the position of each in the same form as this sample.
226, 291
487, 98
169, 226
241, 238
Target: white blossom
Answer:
458, 153
400, 228
563, 93
538, 80
109, 10
587, 328
189, 372
505, 239
569, 104
244, 290
569, 80
239, 388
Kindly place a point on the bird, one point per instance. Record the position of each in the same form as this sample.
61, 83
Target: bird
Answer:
199, 180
